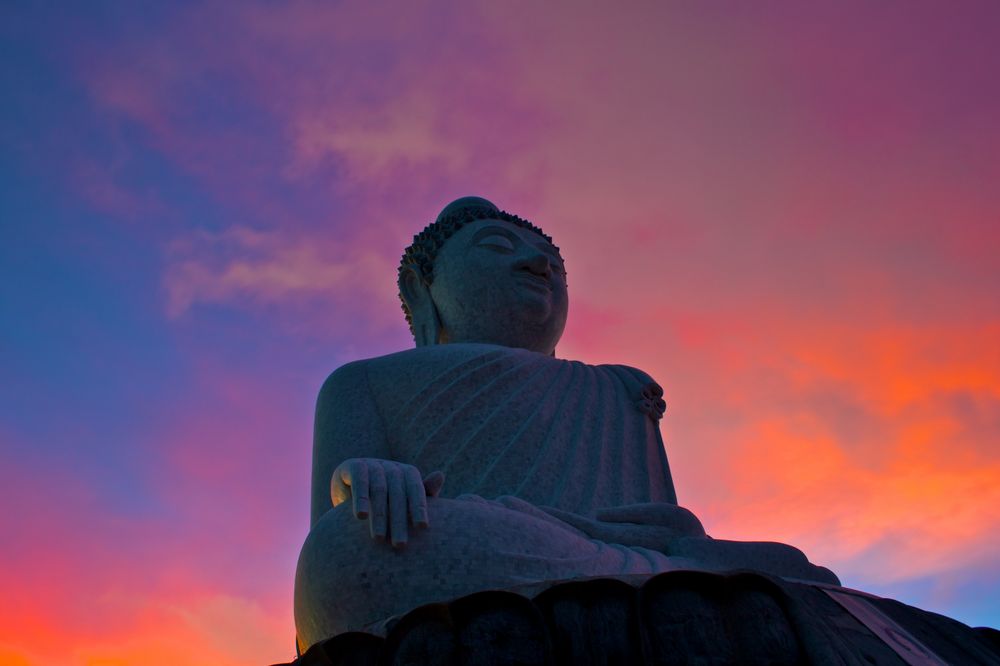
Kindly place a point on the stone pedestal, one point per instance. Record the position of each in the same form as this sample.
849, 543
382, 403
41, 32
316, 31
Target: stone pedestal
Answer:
680, 617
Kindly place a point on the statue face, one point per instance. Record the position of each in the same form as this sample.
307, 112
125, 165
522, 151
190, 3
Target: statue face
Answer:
495, 282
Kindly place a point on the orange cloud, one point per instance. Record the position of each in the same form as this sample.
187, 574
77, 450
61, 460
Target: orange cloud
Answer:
871, 448
89, 584
797, 484
216, 629
196, 627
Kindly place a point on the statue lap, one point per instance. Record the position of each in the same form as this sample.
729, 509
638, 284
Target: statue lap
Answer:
346, 581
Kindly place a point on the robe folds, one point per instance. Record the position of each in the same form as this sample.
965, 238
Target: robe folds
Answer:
512, 430
501, 421
532, 447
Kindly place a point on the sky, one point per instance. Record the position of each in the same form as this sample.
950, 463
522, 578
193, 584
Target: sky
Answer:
786, 213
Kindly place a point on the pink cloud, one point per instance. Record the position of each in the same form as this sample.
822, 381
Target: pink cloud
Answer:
242, 265
100, 187
89, 585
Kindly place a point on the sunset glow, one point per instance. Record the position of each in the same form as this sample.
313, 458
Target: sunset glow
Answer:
788, 215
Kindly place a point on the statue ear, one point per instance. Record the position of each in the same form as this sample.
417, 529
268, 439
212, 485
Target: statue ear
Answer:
416, 292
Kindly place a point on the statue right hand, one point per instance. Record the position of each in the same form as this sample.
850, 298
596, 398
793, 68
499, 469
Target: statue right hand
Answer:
389, 494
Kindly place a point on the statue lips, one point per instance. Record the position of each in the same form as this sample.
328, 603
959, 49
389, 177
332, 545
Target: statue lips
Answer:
534, 281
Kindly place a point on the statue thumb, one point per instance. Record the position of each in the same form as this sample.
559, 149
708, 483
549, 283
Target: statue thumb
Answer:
433, 483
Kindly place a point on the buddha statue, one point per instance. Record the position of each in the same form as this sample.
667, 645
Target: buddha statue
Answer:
479, 459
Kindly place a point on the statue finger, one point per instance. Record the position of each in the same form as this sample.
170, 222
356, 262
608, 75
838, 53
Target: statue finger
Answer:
378, 493
433, 483
339, 490
359, 488
397, 505
416, 498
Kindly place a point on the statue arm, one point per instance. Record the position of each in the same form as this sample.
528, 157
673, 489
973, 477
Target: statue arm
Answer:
348, 425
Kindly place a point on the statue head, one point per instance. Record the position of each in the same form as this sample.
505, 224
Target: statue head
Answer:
480, 274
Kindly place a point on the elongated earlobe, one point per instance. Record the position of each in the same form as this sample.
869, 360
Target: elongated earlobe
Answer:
427, 329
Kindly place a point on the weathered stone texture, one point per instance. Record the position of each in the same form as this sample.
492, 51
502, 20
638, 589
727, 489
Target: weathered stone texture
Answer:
681, 617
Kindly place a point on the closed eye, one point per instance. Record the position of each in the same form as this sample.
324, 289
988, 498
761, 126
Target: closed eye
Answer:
496, 242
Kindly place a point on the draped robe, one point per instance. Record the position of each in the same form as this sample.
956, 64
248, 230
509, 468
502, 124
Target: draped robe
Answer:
502, 421
513, 431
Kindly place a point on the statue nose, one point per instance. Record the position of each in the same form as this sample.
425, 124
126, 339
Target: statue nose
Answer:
536, 263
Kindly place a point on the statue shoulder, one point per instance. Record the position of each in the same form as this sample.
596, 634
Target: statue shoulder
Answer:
628, 374
647, 393
367, 379
346, 384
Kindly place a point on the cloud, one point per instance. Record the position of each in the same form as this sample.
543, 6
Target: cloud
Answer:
101, 187
249, 267
868, 441
111, 584
913, 516
787, 217
871, 445
218, 629
403, 132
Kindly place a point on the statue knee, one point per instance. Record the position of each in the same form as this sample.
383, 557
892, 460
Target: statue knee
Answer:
769, 557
